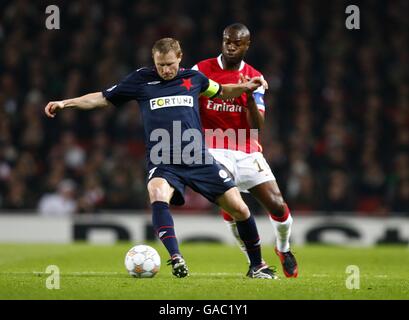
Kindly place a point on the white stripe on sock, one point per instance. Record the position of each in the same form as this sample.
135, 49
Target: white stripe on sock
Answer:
283, 232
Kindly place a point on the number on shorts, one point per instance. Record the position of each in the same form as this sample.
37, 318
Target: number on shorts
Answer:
151, 171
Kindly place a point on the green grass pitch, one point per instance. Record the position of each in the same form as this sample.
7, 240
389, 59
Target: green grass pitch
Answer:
217, 272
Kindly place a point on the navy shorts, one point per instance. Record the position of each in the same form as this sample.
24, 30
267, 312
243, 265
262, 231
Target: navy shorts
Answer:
210, 180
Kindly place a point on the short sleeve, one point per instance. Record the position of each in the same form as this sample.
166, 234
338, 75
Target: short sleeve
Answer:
209, 88
259, 99
258, 95
126, 90
213, 89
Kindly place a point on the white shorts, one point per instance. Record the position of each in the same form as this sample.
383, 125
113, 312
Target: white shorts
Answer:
248, 169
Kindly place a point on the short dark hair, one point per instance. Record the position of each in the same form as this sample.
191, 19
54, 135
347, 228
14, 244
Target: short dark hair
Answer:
166, 45
239, 27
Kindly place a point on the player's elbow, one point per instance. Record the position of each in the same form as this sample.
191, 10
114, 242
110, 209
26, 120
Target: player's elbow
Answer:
258, 123
99, 100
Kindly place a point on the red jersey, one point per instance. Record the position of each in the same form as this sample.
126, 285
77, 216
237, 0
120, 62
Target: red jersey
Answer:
229, 115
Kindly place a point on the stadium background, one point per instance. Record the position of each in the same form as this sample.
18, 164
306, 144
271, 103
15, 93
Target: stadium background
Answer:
337, 120
336, 137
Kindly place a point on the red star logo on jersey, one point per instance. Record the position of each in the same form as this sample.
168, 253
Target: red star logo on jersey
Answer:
187, 83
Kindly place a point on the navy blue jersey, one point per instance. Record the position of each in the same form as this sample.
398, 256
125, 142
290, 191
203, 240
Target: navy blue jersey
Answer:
167, 107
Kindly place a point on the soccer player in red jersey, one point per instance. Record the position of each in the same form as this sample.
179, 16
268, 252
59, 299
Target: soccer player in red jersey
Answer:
240, 119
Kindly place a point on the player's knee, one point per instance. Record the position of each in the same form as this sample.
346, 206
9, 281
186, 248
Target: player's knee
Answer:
158, 193
240, 212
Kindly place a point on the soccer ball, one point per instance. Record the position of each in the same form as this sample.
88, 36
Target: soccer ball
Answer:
142, 261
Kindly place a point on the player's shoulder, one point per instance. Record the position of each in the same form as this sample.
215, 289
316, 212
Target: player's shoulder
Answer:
142, 75
137, 73
206, 64
249, 70
143, 72
190, 72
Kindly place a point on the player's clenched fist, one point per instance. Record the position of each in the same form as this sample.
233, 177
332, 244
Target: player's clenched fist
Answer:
244, 79
254, 83
52, 108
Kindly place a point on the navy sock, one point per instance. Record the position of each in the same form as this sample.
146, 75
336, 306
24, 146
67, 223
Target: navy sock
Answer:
164, 228
248, 233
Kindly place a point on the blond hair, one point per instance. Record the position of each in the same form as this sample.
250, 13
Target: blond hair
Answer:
165, 45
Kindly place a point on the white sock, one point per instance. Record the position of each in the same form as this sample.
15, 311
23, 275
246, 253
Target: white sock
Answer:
283, 232
231, 225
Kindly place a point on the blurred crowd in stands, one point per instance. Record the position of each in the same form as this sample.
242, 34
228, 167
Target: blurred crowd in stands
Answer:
337, 119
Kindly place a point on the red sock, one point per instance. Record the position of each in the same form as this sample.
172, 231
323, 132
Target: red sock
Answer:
284, 217
226, 216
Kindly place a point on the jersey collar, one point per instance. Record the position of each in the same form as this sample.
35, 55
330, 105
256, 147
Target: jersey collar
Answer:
219, 61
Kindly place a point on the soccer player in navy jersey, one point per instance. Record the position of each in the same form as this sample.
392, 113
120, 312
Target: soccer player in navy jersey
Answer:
168, 99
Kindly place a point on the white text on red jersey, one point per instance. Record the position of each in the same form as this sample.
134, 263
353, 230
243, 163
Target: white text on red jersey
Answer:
226, 107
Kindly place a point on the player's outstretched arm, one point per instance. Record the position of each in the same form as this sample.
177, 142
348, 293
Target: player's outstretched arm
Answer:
236, 90
86, 102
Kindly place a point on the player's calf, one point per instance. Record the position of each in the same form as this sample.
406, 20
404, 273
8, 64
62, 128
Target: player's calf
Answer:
232, 202
232, 226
